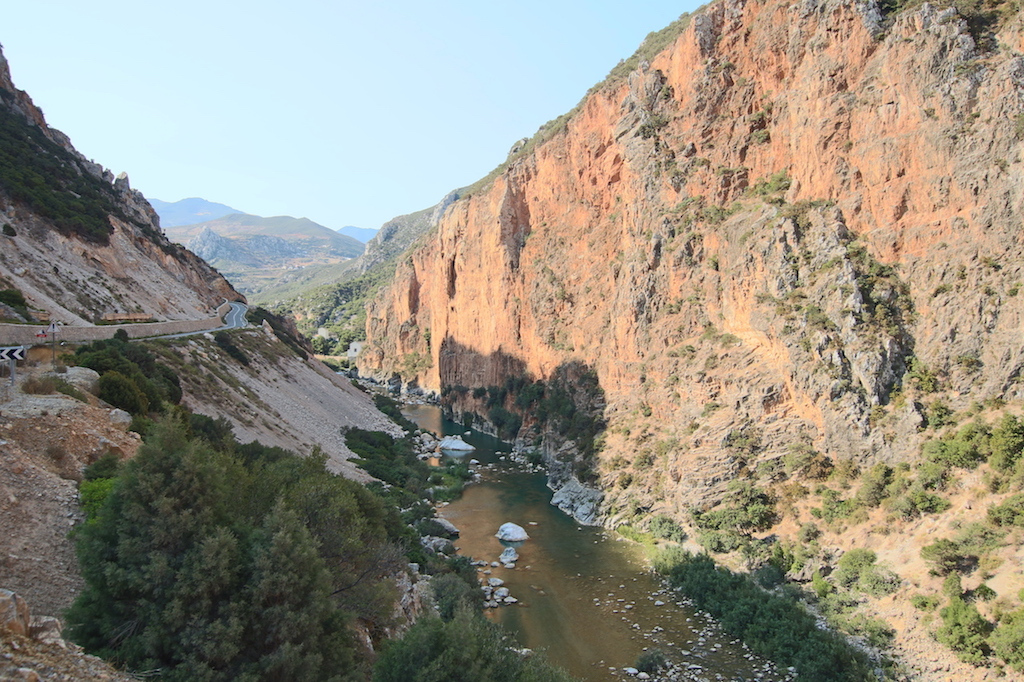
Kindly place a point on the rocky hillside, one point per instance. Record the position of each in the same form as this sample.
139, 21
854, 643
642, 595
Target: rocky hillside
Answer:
254, 252
777, 247
334, 297
79, 243
761, 228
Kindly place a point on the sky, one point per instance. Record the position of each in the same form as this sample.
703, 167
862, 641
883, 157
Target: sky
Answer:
346, 113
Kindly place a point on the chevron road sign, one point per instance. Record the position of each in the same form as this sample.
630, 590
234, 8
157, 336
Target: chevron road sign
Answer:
12, 353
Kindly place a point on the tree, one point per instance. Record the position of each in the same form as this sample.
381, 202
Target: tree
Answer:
1007, 640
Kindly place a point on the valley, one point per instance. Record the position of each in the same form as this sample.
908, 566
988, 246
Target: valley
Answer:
737, 340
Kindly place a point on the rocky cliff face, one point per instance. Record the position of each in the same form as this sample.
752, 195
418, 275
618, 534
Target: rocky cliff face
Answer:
752, 240
79, 243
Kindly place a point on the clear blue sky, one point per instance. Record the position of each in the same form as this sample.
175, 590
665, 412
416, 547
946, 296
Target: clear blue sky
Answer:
342, 112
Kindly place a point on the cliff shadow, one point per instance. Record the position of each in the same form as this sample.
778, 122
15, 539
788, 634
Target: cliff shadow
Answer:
497, 392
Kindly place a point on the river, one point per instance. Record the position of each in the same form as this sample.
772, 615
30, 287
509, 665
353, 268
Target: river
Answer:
585, 597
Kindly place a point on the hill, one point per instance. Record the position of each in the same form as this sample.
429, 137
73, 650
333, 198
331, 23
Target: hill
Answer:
77, 243
334, 297
255, 252
362, 234
189, 211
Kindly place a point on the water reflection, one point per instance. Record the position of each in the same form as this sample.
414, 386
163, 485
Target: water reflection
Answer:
583, 597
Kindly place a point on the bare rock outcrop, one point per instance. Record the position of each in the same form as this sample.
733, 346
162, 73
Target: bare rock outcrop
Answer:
749, 239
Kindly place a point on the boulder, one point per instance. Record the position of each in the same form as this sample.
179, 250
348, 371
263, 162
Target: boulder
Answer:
83, 378
437, 545
510, 532
47, 629
508, 555
578, 501
448, 526
120, 419
14, 614
456, 443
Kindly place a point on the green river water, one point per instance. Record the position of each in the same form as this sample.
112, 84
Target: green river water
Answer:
584, 597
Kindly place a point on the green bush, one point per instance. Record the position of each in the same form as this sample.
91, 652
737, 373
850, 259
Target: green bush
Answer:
925, 602
223, 339
145, 375
1009, 513
947, 556
857, 569
466, 648
451, 593
964, 631
651, 661
120, 391
13, 298
745, 509
663, 527
1007, 641
773, 626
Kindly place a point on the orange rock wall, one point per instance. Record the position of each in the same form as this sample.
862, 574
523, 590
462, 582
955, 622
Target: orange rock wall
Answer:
757, 311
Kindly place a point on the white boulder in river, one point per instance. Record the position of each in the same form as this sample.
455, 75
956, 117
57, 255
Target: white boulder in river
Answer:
510, 532
509, 555
455, 443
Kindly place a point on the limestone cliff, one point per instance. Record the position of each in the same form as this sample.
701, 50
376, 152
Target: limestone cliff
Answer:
79, 243
750, 239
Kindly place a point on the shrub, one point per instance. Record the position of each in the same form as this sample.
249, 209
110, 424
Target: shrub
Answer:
809, 532
857, 569
773, 626
665, 528
451, 592
983, 593
947, 557
120, 391
917, 502
964, 631
745, 509
467, 647
1009, 513
268, 554
651, 661
1007, 443
223, 339
925, 602
1007, 641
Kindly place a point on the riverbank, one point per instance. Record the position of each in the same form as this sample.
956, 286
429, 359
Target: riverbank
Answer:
585, 598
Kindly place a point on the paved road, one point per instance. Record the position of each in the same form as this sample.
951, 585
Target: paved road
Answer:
235, 319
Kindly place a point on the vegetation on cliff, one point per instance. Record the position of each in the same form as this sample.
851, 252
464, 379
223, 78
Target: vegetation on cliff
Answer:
772, 625
44, 176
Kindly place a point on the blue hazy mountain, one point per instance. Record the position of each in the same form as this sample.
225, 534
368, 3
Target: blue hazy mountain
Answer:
189, 211
363, 234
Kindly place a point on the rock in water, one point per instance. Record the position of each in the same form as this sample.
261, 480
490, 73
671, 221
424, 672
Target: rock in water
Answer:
510, 532
456, 443
509, 555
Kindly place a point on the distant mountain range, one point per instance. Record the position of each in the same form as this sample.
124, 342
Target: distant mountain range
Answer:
253, 252
195, 210
189, 211
362, 234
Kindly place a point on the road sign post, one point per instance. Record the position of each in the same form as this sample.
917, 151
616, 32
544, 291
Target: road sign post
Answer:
53, 330
12, 354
